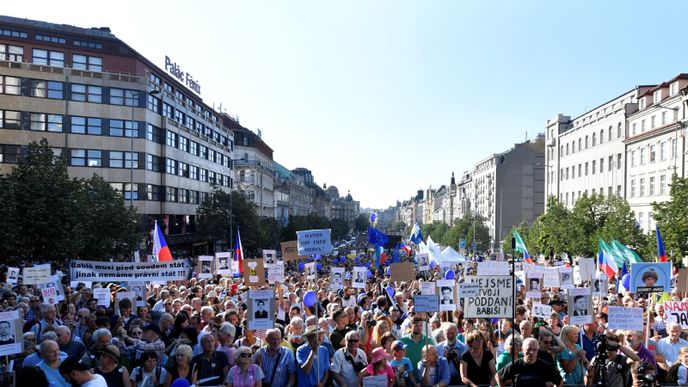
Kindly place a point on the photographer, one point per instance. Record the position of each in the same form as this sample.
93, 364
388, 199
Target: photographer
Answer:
452, 349
616, 369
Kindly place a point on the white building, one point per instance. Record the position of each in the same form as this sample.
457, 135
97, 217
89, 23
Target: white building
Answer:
585, 155
655, 147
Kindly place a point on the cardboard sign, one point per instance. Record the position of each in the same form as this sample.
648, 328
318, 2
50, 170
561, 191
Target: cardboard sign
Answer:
426, 303
223, 263
493, 268
541, 311
49, 295
625, 318
495, 300
204, 267
36, 275
290, 251
677, 312
254, 272
580, 306
261, 309
551, 277
11, 329
651, 277
587, 268
312, 242
103, 296
402, 272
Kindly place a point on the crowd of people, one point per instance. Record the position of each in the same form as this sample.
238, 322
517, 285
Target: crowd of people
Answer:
196, 332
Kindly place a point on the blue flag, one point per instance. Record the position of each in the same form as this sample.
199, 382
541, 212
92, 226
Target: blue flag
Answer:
416, 234
377, 237
395, 254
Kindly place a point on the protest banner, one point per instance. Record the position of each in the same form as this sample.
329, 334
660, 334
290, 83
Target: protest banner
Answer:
222, 263
495, 299
261, 309
290, 251
103, 296
541, 311
493, 268
625, 318
677, 312
650, 277
580, 306
312, 242
402, 272
36, 275
11, 335
426, 303
97, 271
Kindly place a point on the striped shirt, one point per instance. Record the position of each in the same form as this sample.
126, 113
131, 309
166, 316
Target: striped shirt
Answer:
285, 368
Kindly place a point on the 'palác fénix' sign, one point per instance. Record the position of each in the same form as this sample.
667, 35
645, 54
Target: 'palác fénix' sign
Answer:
183, 77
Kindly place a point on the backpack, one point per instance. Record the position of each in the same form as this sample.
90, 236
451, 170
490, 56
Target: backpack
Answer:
158, 371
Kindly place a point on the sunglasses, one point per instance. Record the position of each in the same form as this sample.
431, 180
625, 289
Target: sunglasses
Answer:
353, 341
245, 355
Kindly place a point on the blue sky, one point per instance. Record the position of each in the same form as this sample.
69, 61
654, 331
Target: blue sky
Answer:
387, 97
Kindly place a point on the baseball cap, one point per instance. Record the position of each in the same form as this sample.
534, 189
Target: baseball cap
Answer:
72, 364
398, 344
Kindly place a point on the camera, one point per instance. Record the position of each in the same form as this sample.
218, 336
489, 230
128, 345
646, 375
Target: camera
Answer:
645, 379
602, 345
370, 321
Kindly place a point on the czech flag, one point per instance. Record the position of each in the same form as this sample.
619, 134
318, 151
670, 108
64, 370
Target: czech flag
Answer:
405, 248
239, 252
521, 247
160, 250
661, 252
605, 261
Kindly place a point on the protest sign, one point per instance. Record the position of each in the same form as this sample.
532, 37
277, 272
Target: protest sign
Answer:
426, 303
402, 272
423, 261
600, 285
222, 263
650, 277
428, 288
682, 281
204, 267
468, 290
580, 306
11, 335
337, 278
97, 271
677, 312
261, 309
587, 268
290, 251
103, 296
541, 311
493, 268
254, 272
312, 242
49, 295
447, 292
122, 295
495, 299
36, 275
139, 289
625, 318
375, 381
276, 273
310, 271
12, 275
54, 281
269, 257
566, 278
534, 285
550, 277
359, 279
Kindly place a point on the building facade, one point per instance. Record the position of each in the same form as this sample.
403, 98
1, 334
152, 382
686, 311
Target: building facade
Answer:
112, 112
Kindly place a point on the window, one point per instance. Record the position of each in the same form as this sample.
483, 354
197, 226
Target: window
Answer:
609, 133
641, 191
55, 122
10, 119
579, 144
11, 53
211, 177
37, 122
652, 186
87, 44
168, 88
601, 165
587, 143
193, 197
10, 153
610, 163
642, 156
662, 185
618, 161
594, 139
663, 150
84, 93
167, 110
171, 139
633, 188
204, 174
653, 153
13, 33
580, 168
171, 166
567, 149
10, 85
171, 194
42, 89
49, 58
204, 152
153, 104
85, 62
78, 157
586, 169
673, 89
183, 195
674, 149
153, 163
193, 172
652, 122
131, 191
642, 126
124, 159
657, 97
641, 219
193, 148
154, 192
51, 39
155, 79
183, 143
121, 128
124, 97
664, 118
94, 126
641, 104
183, 169
618, 130
594, 163
153, 133
633, 129
601, 136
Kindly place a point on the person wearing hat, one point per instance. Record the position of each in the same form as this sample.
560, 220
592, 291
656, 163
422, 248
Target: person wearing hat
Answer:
109, 368
378, 366
313, 360
349, 361
76, 373
401, 364
150, 341
558, 306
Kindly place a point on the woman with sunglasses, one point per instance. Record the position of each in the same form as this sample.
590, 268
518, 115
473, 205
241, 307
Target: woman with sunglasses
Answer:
182, 365
245, 373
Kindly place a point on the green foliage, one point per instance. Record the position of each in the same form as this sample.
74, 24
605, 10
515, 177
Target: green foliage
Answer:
214, 220
462, 228
672, 220
46, 215
553, 228
398, 227
361, 223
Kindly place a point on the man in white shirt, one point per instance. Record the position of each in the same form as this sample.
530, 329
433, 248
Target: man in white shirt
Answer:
77, 374
668, 347
348, 361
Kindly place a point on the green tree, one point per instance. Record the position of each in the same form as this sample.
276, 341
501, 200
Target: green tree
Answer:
398, 227
553, 228
462, 228
361, 223
672, 219
214, 219
524, 230
438, 231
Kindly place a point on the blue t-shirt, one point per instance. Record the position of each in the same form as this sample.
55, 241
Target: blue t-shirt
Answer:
402, 368
313, 378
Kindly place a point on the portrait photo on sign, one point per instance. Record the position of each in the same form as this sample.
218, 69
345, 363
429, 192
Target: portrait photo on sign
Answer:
223, 265
447, 294
11, 339
261, 309
566, 278
310, 271
7, 332
337, 278
423, 261
269, 257
533, 285
359, 277
600, 285
204, 267
580, 306
650, 277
